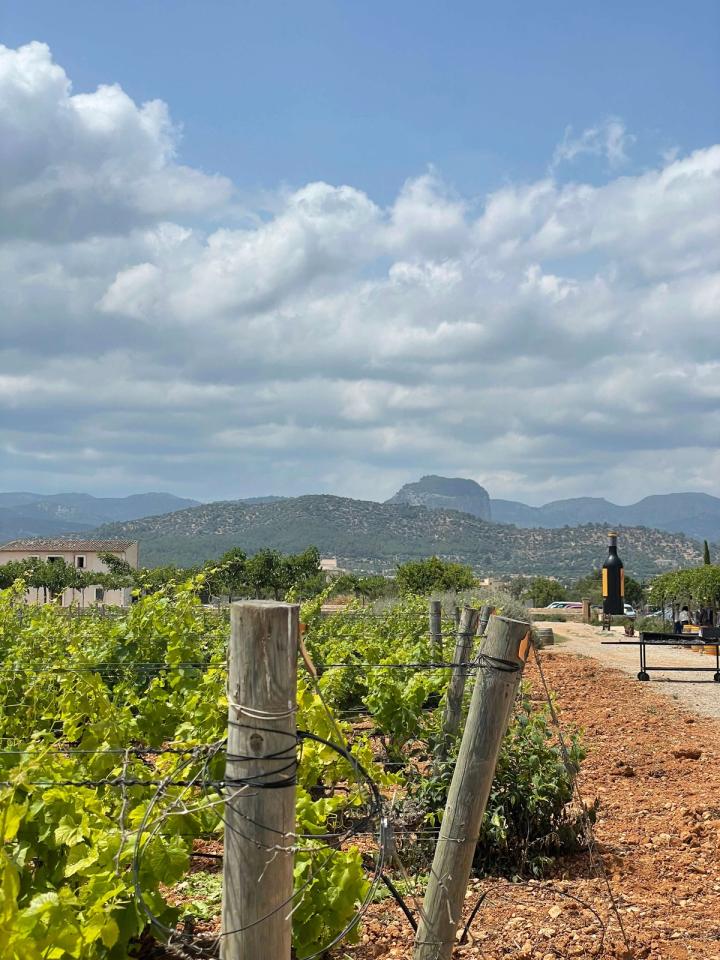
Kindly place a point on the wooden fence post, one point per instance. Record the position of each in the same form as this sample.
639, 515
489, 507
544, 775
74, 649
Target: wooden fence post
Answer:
456, 687
261, 753
436, 640
490, 709
485, 613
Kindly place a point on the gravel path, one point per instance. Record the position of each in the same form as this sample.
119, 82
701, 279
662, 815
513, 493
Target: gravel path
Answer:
696, 691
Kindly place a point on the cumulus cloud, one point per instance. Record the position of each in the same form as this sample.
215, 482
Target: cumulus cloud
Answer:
554, 339
89, 163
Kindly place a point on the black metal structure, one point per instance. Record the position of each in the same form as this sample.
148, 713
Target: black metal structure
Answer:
710, 637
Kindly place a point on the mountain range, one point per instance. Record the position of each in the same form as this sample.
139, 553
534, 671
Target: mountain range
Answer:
365, 535
451, 517
695, 514
43, 515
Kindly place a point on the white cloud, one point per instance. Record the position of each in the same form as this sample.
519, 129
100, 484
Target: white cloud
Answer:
78, 165
608, 139
557, 339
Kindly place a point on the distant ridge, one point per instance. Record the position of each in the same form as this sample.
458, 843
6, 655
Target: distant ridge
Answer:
366, 535
41, 515
695, 514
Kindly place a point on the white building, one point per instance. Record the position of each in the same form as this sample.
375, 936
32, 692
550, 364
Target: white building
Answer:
82, 554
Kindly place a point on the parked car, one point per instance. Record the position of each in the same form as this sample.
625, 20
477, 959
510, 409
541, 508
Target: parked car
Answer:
557, 605
665, 614
629, 610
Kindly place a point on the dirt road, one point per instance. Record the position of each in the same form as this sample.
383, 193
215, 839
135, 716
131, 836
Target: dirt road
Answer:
695, 690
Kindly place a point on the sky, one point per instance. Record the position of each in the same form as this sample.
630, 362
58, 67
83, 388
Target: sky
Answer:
329, 247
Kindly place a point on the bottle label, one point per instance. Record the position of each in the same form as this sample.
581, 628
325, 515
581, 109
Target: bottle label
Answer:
622, 582
604, 582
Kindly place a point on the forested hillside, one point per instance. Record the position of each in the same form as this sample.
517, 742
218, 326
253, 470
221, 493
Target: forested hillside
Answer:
375, 536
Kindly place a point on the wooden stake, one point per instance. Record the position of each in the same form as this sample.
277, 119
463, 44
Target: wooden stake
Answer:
436, 639
453, 703
261, 753
490, 708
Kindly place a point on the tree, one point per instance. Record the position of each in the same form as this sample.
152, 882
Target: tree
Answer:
423, 577
706, 553
544, 591
366, 588
270, 572
517, 587
116, 565
634, 591
52, 576
229, 575
589, 586
699, 586
12, 571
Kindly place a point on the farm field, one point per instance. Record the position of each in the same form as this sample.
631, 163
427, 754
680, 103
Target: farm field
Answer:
112, 792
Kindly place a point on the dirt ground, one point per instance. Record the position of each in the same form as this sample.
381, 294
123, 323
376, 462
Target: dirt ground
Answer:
653, 764
691, 689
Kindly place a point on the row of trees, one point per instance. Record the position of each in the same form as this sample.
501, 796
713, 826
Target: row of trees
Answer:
52, 576
268, 573
696, 586
271, 574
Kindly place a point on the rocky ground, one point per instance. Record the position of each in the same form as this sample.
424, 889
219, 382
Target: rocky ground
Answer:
653, 765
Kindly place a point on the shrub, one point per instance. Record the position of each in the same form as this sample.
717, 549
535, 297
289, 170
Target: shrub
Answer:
529, 819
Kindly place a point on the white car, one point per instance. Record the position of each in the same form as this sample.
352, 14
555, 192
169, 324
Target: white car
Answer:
630, 611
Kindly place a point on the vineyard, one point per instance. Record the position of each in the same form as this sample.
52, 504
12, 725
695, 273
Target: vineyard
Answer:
113, 789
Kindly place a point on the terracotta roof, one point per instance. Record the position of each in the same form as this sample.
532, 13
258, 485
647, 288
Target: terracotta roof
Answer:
68, 546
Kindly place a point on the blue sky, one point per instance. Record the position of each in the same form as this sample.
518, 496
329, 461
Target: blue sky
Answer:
330, 247
372, 93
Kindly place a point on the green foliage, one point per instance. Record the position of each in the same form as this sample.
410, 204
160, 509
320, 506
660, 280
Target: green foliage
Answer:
518, 586
423, 577
706, 553
529, 819
396, 697
67, 888
650, 624
634, 591
365, 589
589, 586
543, 591
697, 585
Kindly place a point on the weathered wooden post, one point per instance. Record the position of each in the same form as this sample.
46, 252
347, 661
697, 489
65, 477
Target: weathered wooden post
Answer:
586, 610
435, 614
260, 781
456, 687
490, 708
485, 613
